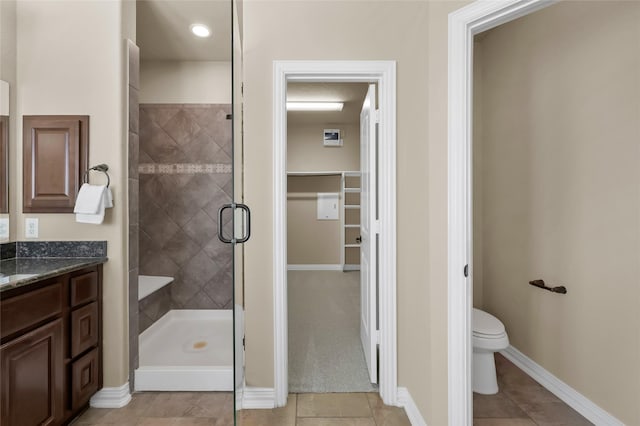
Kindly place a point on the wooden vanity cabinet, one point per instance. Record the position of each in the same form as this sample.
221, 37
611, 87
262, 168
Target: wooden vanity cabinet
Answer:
50, 348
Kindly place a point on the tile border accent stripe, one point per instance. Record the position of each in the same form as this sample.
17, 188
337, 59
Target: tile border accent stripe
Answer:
183, 168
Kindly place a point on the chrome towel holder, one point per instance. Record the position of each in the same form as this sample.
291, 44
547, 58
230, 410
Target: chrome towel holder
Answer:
99, 168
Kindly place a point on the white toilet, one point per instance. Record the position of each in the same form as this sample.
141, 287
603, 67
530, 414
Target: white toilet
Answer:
489, 336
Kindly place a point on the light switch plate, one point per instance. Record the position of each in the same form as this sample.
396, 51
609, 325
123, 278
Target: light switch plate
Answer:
31, 227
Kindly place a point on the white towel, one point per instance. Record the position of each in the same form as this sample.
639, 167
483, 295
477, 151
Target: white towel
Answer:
91, 202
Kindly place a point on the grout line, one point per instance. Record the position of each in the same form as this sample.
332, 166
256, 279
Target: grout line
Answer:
515, 402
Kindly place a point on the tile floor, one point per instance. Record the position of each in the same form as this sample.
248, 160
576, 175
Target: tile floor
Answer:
521, 401
215, 409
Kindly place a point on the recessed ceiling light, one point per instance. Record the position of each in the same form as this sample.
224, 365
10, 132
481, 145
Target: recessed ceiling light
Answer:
315, 106
200, 30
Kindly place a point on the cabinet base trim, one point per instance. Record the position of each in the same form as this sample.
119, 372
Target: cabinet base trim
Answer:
116, 397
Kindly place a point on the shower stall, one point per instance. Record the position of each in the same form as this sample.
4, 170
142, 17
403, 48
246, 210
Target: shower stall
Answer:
185, 284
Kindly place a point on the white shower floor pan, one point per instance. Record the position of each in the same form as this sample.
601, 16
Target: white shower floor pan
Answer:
187, 350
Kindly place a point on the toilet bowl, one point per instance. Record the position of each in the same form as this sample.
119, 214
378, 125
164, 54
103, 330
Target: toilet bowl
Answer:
489, 336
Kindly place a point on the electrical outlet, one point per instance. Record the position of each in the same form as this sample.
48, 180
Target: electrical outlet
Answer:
4, 228
31, 227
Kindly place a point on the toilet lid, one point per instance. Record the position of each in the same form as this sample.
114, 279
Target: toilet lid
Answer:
486, 324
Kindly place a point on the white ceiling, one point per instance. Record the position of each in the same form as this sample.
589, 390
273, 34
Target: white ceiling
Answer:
352, 94
163, 30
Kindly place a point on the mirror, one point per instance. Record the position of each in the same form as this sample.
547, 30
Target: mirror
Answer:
7, 105
4, 161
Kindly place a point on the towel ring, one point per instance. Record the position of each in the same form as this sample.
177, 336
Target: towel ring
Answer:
99, 168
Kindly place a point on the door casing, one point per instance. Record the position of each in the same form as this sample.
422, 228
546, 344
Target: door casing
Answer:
384, 74
464, 24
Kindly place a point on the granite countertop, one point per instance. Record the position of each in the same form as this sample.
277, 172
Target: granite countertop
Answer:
23, 271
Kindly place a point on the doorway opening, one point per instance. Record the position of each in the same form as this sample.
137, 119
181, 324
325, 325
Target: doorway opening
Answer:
382, 337
513, 210
327, 332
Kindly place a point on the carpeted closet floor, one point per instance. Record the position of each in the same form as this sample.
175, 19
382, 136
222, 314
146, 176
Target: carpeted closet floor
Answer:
325, 353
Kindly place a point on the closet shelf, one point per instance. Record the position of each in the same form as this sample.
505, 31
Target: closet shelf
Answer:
321, 173
351, 193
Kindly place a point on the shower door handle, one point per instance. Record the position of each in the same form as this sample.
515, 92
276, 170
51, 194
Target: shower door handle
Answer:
247, 222
221, 237
233, 207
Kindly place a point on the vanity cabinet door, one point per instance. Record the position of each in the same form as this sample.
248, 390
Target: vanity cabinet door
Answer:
32, 370
84, 329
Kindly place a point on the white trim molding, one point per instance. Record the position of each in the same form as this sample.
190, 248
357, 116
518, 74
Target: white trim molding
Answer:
566, 393
384, 74
406, 401
116, 397
255, 399
464, 24
315, 267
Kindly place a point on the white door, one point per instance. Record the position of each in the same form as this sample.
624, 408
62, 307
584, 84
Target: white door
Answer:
368, 244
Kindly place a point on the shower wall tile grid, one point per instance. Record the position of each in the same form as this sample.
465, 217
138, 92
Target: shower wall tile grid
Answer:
185, 170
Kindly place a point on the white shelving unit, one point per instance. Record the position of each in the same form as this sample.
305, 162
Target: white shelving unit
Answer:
350, 226
350, 221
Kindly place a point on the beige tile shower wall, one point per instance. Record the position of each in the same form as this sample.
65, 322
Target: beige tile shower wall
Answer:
415, 35
305, 150
70, 60
309, 240
182, 82
561, 144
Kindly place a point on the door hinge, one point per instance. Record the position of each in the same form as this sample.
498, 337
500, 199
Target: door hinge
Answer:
377, 336
376, 115
376, 226
466, 270
243, 342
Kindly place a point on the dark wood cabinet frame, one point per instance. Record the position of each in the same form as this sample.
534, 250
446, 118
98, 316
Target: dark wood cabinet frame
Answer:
55, 157
42, 353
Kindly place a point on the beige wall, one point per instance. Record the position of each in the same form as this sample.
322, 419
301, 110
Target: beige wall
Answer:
311, 241
77, 68
306, 153
420, 51
561, 200
182, 82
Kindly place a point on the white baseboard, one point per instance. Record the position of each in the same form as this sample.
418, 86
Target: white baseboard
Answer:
405, 401
257, 398
116, 397
318, 267
566, 393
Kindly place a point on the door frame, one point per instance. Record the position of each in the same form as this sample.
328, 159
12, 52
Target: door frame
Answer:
464, 24
384, 74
